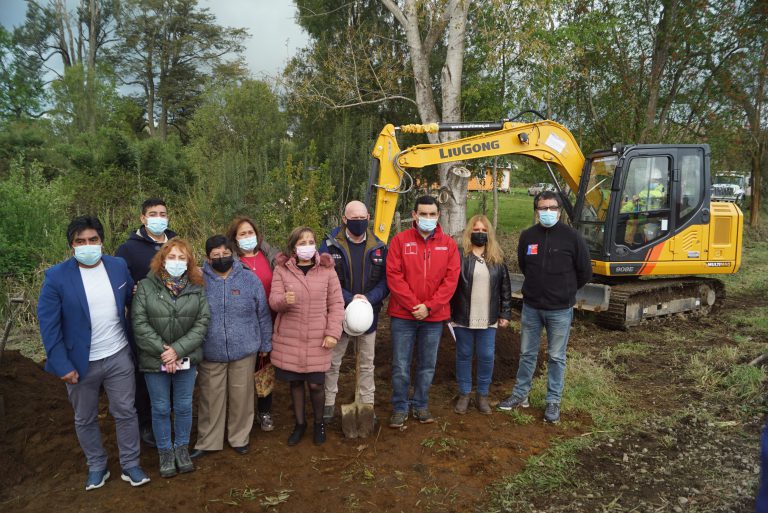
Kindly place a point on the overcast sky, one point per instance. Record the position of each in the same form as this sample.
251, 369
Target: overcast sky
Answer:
274, 34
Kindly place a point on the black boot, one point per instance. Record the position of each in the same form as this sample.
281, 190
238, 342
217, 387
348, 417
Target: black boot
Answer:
319, 435
298, 432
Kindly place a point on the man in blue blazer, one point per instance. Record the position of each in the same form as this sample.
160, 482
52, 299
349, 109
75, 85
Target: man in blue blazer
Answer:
81, 311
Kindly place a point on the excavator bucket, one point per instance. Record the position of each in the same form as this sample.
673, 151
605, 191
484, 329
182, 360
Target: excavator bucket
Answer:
592, 297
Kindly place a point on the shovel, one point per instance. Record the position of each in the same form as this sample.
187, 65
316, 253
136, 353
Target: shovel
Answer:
357, 418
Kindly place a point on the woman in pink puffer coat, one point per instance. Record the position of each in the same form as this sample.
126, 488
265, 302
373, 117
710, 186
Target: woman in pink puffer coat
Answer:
310, 309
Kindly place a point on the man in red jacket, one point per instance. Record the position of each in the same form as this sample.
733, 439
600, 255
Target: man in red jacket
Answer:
422, 272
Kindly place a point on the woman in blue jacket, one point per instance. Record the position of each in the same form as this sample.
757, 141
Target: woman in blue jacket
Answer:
240, 327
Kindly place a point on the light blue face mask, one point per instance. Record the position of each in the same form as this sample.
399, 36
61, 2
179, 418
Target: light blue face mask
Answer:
88, 254
427, 225
248, 243
176, 267
157, 225
547, 218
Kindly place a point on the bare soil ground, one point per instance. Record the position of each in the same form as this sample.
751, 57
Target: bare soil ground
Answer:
684, 453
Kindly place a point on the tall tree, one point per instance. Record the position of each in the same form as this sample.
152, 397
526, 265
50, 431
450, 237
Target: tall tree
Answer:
171, 48
365, 68
78, 37
743, 77
21, 84
424, 24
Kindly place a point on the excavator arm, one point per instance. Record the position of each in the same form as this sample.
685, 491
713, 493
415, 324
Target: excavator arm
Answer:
544, 140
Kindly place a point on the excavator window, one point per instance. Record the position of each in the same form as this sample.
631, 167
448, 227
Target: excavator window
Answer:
644, 214
597, 199
691, 185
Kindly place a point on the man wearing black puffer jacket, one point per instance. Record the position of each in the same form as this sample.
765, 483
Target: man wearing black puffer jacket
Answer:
555, 261
138, 252
361, 263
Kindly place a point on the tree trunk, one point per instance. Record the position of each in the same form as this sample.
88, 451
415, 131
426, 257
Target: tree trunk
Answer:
757, 184
453, 177
91, 65
495, 192
661, 52
150, 90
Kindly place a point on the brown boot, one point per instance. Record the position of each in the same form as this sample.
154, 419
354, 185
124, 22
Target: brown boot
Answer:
462, 404
482, 404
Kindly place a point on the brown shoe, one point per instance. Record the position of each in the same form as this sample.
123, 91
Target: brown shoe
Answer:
462, 404
482, 404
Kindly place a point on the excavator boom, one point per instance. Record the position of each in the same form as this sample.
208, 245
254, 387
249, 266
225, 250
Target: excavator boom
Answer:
545, 140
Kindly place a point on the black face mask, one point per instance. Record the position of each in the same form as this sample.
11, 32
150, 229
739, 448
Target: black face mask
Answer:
479, 239
357, 227
222, 264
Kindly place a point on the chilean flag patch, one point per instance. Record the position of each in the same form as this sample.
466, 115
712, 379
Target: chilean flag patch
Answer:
533, 249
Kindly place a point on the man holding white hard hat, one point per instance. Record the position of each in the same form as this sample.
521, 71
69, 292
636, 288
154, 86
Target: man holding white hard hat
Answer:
361, 260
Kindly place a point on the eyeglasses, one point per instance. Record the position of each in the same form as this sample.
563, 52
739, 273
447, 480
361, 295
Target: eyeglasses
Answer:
553, 208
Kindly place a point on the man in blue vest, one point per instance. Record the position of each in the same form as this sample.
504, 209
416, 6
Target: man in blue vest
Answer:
361, 263
83, 325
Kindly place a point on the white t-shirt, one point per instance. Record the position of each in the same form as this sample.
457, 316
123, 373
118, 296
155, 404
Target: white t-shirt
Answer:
107, 333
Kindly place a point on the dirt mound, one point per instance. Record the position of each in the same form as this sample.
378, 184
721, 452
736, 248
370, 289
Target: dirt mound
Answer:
37, 431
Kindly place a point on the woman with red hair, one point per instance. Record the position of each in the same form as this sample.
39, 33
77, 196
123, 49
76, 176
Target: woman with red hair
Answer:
170, 317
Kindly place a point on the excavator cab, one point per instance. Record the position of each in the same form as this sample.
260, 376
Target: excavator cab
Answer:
646, 210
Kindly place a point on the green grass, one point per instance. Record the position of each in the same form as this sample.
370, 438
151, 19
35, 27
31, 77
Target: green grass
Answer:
751, 322
718, 373
591, 388
625, 349
519, 418
545, 473
745, 382
515, 209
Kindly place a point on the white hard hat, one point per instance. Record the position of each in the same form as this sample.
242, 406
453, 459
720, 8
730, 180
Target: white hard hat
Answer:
358, 317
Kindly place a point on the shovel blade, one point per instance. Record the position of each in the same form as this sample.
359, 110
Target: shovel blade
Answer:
349, 420
365, 420
357, 420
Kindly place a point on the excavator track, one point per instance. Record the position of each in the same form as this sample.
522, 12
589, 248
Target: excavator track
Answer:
632, 304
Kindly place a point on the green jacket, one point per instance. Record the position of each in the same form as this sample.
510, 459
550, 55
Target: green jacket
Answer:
158, 320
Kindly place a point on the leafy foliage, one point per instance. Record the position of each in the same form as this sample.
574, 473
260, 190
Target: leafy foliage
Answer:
32, 220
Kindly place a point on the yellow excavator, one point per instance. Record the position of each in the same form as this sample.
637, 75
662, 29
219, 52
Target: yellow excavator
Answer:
644, 210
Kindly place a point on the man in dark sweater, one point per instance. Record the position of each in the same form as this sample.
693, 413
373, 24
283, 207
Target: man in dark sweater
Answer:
555, 261
138, 252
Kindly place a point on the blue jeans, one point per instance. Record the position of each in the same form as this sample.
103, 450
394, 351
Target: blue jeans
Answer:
425, 336
558, 325
467, 341
159, 387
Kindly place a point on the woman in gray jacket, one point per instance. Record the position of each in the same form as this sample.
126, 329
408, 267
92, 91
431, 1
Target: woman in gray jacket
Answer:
240, 327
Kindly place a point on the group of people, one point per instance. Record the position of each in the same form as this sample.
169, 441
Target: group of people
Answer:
148, 324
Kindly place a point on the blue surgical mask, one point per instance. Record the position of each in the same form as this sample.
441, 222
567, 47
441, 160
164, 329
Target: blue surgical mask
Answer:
427, 225
248, 243
176, 267
157, 225
88, 254
547, 218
